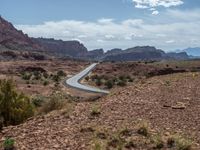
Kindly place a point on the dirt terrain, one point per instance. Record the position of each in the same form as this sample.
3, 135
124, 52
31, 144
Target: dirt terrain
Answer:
170, 104
15, 69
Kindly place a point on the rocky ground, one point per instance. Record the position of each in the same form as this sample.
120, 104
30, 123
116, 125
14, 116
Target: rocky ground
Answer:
15, 69
170, 104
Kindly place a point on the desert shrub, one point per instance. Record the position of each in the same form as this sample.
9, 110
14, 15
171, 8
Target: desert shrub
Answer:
116, 143
94, 77
171, 142
55, 102
158, 141
87, 78
61, 73
130, 145
8, 144
45, 82
95, 111
183, 143
97, 146
26, 76
121, 83
56, 78
122, 77
45, 75
37, 75
109, 84
14, 107
114, 79
143, 129
38, 100
130, 80
98, 82
125, 132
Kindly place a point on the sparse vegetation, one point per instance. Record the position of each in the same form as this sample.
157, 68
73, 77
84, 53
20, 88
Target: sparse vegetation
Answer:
143, 129
54, 102
61, 73
183, 143
97, 146
95, 111
171, 141
87, 78
8, 144
26, 76
109, 84
38, 100
56, 78
98, 82
158, 141
122, 83
15, 107
46, 82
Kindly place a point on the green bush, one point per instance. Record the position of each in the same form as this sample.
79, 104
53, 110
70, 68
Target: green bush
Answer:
26, 76
109, 84
55, 102
121, 83
37, 75
94, 77
8, 144
61, 73
87, 78
122, 77
45, 83
98, 82
38, 100
45, 75
56, 78
14, 107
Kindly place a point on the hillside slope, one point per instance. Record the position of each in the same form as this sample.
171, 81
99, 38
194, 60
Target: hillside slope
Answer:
169, 103
13, 39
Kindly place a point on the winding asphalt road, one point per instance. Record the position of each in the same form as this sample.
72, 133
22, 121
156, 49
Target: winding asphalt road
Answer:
75, 81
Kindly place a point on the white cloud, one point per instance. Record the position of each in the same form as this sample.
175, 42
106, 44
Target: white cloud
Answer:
109, 37
155, 12
105, 20
169, 41
156, 3
108, 33
152, 4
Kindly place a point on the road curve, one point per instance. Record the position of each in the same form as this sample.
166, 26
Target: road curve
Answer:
75, 81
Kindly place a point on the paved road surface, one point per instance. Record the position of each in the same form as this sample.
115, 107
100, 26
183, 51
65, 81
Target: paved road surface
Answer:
75, 81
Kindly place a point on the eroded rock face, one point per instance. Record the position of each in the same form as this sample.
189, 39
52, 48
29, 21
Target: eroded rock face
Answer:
14, 39
62, 48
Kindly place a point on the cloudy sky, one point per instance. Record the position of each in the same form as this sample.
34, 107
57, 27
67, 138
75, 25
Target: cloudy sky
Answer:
166, 24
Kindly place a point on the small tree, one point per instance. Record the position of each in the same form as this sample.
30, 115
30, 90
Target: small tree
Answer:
14, 107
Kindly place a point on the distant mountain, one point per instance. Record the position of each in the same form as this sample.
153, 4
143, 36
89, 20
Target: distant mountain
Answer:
193, 51
96, 54
11, 38
62, 48
142, 53
136, 53
113, 51
178, 56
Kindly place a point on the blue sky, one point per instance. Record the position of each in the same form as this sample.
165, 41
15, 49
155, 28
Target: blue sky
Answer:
166, 24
